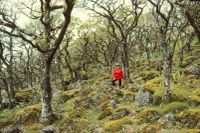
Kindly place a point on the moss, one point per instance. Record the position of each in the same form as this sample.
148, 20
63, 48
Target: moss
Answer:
106, 112
153, 85
6, 117
29, 114
189, 131
91, 114
180, 93
24, 95
116, 124
149, 74
150, 114
66, 95
195, 99
197, 92
75, 125
104, 77
174, 107
34, 128
104, 104
190, 118
76, 112
153, 128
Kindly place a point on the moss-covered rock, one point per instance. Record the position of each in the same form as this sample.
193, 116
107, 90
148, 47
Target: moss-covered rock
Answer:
115, 125
190, 118
28, 115
153, 85
34, 128
149, 74
66, 95
72, 125
194, 99
180, 93
76, 112
189, 131
106, 112
24, 96
120, 113
174, 107
129, 96
152, 128
150, 115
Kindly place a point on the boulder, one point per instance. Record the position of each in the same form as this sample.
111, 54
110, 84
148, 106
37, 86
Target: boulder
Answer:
143, 98
13, 129
48, 129
168, 120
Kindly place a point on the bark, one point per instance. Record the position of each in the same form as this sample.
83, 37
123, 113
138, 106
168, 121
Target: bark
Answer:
10, 70
46, 116
167, 67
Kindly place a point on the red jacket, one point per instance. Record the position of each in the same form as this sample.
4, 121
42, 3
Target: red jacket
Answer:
118, 74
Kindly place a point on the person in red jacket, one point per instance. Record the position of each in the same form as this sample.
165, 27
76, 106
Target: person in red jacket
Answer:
117, 75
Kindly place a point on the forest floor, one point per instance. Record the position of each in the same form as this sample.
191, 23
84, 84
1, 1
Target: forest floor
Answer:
94, 106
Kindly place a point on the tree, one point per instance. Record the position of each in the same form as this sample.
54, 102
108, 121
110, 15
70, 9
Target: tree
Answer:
168, 25
123, 20
46, 40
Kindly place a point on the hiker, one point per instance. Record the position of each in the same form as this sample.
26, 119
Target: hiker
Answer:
117, 75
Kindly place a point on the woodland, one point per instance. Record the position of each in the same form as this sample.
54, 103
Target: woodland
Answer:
57, 59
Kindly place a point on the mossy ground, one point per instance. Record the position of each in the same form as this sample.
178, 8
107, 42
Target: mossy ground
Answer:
90, 109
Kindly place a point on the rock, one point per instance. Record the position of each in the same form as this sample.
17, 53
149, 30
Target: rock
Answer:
113, 103
195, 70
106, 112
168, 120
27, 115
149, 115
48, 129
129, 97
14, 129
134, 88
24, 96
190, 118
143, 98
115, 125
120, 113
57, 94
155, 128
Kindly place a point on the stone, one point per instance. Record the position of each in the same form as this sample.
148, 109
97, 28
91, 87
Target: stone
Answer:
168, 120
143, 98
120, 113
13, 129
48, 129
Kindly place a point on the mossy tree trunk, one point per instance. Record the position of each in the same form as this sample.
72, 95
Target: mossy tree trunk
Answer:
167, 72
46, 42
46, 90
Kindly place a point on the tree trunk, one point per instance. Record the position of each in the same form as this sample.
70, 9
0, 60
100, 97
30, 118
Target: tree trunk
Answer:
10, 70
47, 115
8, 93
125, 61
167, 66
